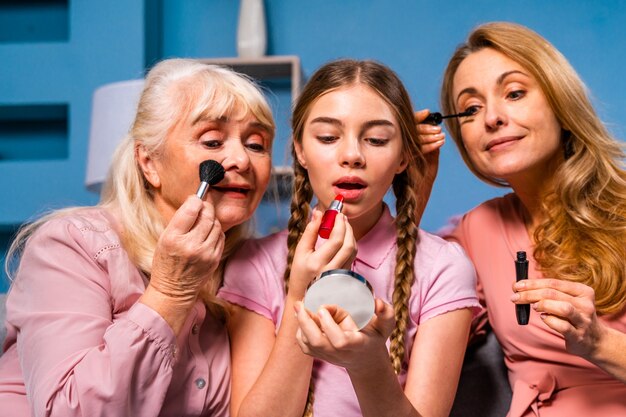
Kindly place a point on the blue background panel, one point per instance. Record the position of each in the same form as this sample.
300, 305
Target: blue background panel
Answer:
79, 45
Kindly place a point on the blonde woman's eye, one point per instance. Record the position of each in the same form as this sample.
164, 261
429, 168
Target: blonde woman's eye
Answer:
471, 110
516, 95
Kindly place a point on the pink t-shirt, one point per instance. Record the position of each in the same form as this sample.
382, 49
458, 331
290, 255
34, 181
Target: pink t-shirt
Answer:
546, 380
444, 281
79, 343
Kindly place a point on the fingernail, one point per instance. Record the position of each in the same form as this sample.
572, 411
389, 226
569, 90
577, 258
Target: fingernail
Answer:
520, 285
535, 306
543, 316
296, 307
515, 297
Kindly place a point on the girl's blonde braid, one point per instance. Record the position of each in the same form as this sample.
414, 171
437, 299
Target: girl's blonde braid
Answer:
407, 239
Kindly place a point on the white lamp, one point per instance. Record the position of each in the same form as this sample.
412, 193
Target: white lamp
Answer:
113, 110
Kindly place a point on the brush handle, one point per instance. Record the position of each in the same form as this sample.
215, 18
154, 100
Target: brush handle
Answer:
202, 189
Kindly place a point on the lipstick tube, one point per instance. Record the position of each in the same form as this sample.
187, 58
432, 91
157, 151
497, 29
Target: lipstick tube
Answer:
328, 220
522, 311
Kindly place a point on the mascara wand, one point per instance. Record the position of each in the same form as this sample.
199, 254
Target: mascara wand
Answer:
436, 118
211, 172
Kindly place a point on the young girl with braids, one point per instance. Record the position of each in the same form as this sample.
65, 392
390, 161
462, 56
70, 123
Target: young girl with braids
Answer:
354, 135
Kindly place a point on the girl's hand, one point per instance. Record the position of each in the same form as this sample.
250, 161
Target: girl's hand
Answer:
338, 251
431, 136
566, 307
188, 251
331, 335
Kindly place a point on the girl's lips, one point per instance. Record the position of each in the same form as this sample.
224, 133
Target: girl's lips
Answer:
350, 187
349, 194
350, 181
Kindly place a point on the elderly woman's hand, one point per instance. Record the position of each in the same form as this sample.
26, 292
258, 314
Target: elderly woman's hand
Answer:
188, 251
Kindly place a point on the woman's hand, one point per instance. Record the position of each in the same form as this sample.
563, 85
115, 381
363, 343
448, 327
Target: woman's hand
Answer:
188, 251
338, 251
331, 335
566, 307
432, 137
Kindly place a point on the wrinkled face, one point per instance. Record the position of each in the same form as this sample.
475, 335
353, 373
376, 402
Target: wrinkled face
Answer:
239, 142
514, 134
351, 145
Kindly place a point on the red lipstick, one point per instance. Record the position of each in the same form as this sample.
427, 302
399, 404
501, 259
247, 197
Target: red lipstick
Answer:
328, 220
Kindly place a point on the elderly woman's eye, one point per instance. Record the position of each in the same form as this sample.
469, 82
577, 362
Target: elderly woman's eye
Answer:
211, 143
257, 147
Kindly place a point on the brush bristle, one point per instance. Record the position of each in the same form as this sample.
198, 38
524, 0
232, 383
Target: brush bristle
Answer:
211, 172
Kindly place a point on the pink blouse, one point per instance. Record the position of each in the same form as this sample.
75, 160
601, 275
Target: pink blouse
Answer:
79, 343
547, 381
444, 281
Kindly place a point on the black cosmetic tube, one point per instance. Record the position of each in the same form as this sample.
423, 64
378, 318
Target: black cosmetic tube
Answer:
522, 311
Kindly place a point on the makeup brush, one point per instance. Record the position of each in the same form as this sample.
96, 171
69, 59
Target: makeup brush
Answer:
211, 172
436, 118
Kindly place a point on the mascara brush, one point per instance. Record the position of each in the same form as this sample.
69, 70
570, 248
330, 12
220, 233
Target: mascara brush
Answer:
211, 172
436, 118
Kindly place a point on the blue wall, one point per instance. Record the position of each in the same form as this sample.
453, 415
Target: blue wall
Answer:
59, 52
105, 41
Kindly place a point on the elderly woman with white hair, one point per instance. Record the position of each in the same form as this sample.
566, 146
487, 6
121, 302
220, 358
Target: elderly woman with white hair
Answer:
112, 309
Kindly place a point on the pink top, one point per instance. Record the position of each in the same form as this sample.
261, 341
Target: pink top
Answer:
444, 281
79, 343
546, 380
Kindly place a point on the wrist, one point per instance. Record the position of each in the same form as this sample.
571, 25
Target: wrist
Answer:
172, 293
174, 310
296, 292
373, 365
598, 351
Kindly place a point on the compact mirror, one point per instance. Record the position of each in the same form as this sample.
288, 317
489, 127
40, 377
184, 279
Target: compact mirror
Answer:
344, 288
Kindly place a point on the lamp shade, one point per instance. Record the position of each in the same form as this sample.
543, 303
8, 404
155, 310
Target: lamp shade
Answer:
113, 110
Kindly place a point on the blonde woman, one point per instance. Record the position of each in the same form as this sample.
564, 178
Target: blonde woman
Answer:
112, 311
354, 135
533, 128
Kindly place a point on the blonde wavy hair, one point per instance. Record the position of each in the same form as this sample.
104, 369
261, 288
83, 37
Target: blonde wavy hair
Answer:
173, 88
406, 185
582, 236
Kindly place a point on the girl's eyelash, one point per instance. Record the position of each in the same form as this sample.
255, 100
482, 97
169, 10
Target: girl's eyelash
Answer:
373, 141
326, 138
377, 141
